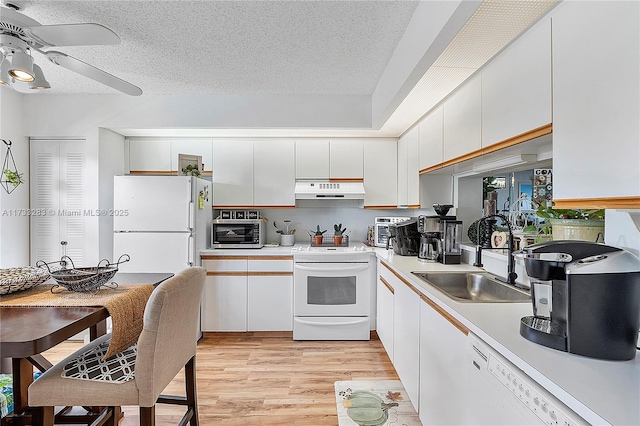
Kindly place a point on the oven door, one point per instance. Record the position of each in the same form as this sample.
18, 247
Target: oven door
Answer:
331, 289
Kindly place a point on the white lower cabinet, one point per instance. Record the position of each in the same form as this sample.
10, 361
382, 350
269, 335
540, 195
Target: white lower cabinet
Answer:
427, 347
384, 309
442, 367
406, 337
270, 294
224, 297
224, 303
247, 293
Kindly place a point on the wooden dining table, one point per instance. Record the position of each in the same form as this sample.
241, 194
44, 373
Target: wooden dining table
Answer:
27, 332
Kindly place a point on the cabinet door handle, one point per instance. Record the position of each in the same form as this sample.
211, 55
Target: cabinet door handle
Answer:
334, 323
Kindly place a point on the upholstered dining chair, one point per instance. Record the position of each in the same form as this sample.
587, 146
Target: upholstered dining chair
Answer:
166, 344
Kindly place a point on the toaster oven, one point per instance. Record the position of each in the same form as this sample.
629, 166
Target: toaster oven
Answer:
237, 233
381, 229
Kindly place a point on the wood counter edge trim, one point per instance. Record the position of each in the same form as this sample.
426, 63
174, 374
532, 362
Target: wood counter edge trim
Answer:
271, 257
598, 203
401, 278
226, 273
270, 273
236, 257
346, 180
518, 139
222, 257
387, 285
512, 141
231, 207
381, 207
162, 172
446, 315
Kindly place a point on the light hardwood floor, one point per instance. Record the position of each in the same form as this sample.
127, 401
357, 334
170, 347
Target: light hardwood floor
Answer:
267, 378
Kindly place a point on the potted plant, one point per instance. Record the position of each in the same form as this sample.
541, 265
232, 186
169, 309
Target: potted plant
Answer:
337, 234
317, 235
12, 177
191, 170
573, 224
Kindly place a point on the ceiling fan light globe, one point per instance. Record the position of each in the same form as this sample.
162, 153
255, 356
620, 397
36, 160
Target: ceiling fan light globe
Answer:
21, 67
39, 82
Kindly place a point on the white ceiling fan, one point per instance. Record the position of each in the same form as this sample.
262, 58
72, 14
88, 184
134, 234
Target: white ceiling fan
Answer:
21, 35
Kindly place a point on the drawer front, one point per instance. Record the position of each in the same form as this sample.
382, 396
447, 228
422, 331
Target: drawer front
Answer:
225, 263
271, 264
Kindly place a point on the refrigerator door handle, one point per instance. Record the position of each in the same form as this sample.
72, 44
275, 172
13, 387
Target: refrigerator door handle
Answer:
192, 249
192, 215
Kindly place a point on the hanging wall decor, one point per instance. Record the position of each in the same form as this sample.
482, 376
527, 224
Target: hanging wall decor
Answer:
10, 178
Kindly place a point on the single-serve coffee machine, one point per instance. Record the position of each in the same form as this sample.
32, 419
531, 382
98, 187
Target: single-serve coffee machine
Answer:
586, 298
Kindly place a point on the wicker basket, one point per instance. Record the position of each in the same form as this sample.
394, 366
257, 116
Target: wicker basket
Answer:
82, 279
18, 279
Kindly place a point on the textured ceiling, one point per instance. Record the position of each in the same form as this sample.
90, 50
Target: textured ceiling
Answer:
232, 47
275, 47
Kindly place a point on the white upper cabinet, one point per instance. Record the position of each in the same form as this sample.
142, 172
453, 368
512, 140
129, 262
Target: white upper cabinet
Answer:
596, 101
201, 147
380, 173
463, 120
274, 172
408, 169
430, 150
150, 155
516, 87
324, 159
346, 159
232, 173
312, 159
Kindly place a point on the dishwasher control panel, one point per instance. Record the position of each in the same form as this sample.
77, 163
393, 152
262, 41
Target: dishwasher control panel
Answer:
548, 408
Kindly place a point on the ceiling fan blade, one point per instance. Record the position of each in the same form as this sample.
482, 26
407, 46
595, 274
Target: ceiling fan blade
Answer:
93, 73
73, 35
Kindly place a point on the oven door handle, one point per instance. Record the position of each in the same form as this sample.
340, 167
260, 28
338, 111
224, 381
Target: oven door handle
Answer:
354, 322
358, 267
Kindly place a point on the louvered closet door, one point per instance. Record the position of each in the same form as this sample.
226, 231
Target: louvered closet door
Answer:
57, 200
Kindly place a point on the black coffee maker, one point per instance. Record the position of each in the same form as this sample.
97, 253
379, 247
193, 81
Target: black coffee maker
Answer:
586, 298
404, 237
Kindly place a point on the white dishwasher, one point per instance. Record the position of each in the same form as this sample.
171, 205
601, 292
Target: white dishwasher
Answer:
502, 394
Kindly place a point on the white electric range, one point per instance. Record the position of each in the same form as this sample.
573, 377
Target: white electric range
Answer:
332, 289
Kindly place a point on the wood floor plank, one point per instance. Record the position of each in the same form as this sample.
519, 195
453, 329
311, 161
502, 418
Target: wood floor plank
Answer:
267, 378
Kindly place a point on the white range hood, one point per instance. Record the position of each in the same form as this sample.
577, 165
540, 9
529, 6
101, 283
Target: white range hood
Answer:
327, 190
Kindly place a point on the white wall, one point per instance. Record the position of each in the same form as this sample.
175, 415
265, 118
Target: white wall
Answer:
14, 229
356, 220
111, 163
622, 229
80, 115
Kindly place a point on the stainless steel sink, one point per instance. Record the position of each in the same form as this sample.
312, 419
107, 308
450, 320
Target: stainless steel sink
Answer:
474, 287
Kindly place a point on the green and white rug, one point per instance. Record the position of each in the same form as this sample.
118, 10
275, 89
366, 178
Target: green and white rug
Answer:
374, 403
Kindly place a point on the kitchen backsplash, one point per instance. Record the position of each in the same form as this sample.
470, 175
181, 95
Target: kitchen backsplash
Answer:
356, 220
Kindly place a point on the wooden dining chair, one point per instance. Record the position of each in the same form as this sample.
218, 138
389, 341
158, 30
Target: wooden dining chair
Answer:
166, 344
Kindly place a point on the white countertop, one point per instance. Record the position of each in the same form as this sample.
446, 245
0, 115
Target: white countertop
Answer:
599, 391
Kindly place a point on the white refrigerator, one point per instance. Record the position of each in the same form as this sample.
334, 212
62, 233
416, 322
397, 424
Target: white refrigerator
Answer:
161, 222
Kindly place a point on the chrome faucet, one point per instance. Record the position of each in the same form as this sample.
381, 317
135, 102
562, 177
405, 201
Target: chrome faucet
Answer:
511, 273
